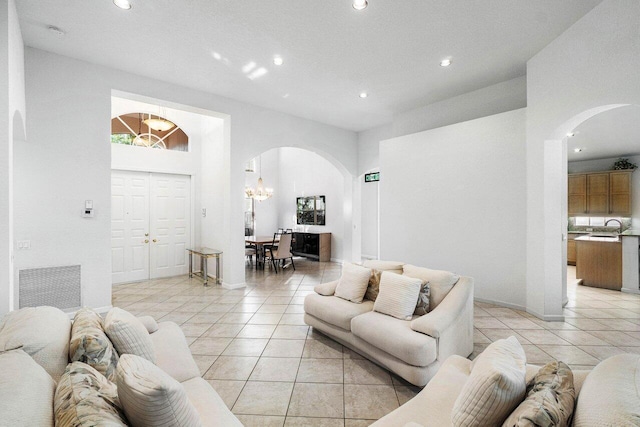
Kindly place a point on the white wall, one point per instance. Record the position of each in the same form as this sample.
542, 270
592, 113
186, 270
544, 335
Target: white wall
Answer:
453, 198
589, 68
12, 116
303, 173
266, 211
67, 160
606, 164
370, 217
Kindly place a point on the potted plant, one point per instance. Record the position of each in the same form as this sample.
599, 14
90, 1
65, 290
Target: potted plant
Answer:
624, 164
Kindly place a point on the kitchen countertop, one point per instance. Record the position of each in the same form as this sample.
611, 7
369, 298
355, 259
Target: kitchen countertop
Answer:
606, 239
631, 232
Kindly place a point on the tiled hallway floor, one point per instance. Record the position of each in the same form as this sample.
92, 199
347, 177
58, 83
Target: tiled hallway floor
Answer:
272, 370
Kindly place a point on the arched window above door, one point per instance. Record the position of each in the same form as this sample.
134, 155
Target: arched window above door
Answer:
148, 130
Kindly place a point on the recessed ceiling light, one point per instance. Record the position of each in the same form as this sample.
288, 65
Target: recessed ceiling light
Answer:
363, 94
122, 4
577, 150
445, 62
570, 134
360, 4
56, 30
278, 60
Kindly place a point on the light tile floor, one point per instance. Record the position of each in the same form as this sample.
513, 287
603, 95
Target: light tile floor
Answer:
271, 369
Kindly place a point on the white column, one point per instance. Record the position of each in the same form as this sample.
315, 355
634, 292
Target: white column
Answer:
630, 265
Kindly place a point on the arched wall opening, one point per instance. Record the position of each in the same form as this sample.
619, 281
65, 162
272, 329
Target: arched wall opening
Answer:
556, 216
292, 172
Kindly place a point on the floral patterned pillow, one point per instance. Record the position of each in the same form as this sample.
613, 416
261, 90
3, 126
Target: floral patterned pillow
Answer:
84, 397
550, 398
422, 307
90, 344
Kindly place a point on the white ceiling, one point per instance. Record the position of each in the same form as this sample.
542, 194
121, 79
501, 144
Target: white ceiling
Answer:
614, 133
392, 49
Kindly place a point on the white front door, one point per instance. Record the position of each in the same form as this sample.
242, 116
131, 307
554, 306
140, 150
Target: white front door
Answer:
170, 224
150, 225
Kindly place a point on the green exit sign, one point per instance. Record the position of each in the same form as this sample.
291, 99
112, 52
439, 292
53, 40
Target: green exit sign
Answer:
372, 177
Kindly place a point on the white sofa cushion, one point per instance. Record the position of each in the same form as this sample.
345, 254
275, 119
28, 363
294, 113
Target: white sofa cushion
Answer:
89, 344
84, 397
398, 295
395, 337
26, 391
440, 281
353, 282
495, 388
128, 334
42, 332
150, 397
335, 311
172, 352
610, 394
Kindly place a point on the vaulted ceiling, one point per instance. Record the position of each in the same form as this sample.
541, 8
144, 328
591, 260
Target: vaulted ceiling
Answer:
331, 52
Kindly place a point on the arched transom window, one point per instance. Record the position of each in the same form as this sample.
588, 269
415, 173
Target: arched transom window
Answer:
148, 130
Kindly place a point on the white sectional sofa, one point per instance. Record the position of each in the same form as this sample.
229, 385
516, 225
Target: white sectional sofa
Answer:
44, 334
414, 349
608, 395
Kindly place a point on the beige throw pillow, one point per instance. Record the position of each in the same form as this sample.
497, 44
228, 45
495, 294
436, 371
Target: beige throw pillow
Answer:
84, 397
550, 399
495, 387
353, 282
150, 397
26, 391
89, 344
440, 281
398, 295
128, 334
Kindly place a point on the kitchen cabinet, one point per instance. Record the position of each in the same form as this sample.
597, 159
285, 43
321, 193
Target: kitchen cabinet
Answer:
620, 193
577, 194
599, 194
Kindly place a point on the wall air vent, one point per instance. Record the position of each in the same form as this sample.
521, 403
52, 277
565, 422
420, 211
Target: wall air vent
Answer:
53, 286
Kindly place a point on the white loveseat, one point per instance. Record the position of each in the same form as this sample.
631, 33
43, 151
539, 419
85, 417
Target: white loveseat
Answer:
44, 334
414, 349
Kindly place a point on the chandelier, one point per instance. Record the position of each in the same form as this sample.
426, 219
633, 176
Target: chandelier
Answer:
158, 123
260, 193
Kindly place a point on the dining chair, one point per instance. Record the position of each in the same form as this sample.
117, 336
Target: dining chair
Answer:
282, 252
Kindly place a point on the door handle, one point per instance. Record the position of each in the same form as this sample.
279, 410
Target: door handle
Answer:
154, 240
146, 240
146, 234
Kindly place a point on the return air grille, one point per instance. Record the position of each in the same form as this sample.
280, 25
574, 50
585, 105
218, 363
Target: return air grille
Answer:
55, 286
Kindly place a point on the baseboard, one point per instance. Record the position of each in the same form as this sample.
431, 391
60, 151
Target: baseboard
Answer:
546, 318
339, 261
630, 291
368, 257
233, 285
502, 304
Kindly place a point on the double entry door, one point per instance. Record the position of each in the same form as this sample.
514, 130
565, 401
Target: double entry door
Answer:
150, 225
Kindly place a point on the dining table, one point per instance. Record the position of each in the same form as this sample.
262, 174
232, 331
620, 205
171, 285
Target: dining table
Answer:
260, 242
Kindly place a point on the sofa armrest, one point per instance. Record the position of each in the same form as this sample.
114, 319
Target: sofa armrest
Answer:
172, 352
149, 323
326, 289
445, 314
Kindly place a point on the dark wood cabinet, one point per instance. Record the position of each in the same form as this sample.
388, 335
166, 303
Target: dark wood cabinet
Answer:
312, 245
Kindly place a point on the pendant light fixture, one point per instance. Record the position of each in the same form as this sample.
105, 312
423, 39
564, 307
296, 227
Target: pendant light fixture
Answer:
158, 123
260, 193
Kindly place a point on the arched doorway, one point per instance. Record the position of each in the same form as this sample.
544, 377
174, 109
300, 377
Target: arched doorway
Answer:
308, 193
556, 217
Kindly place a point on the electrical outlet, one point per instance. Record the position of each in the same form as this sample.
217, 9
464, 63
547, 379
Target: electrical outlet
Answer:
204, 212
24, 244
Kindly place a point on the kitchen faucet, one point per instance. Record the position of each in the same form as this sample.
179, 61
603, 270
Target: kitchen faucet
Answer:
616, 220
